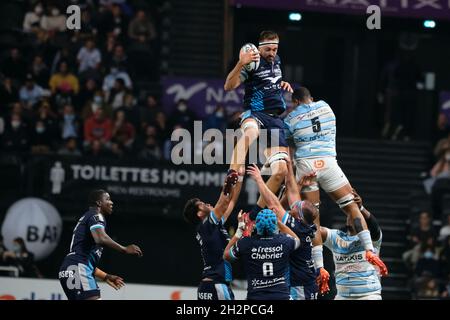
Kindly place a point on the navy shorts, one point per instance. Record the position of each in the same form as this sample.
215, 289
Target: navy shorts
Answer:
307, 292
269, 122
210, 290
78, 281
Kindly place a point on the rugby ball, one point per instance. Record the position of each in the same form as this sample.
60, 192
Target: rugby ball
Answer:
254, 64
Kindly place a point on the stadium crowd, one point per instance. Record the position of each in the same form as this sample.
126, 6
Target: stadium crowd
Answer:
76, 92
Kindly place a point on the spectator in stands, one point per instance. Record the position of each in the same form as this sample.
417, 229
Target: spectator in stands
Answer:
98, 102
234, 120
41, 138
428, 263
151, 150
14, 66
53, 21
182, 115
32, 20
117, 23
30, 93
141, 28
97, 149
22, 259
116, 97
63, 55
149, 111
46, 115
116, 72
443, 126
39, 71
424, 230
131, 110
97, 128
445, 230
64, 81
70, 124
15, 138
119, 57
444, 257
216, 120
442, 153
123, 132
446, 289
89, 57
428, 289
70, 148
87, 93
8, 94
441, 184
108, 49
88, 26
164, 132
169, 144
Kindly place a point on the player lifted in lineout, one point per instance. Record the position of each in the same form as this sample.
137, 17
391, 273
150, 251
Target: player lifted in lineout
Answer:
311, 130
264, 103
212, 238
79, 268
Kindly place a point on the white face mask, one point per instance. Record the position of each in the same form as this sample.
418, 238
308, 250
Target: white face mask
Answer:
55, 12
447, 156
15, 124
38, 9
182, 107
219, 114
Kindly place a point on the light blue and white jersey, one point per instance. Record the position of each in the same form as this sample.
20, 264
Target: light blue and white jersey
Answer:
355, 276
312, 129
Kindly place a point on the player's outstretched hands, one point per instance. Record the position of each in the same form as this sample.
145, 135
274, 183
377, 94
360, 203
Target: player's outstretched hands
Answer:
286, 86
114, 281
307, 179
133, 250
357, 198
241, 225
254, 172
230, 181
247, 57
322, 281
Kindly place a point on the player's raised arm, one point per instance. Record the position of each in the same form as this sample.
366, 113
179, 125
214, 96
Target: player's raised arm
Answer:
235, 192
286, 230
372, 223
231, 251
270, 199
225, 198
234, 77
101, 238
292, 187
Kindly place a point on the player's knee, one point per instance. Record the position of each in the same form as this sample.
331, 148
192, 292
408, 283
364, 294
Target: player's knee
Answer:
277, 163
250, 128
345, 201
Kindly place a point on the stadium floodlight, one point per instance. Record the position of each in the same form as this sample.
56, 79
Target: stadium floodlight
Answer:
295, 16
430, 24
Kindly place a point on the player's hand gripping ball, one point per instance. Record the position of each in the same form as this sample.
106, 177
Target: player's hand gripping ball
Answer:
253, 63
